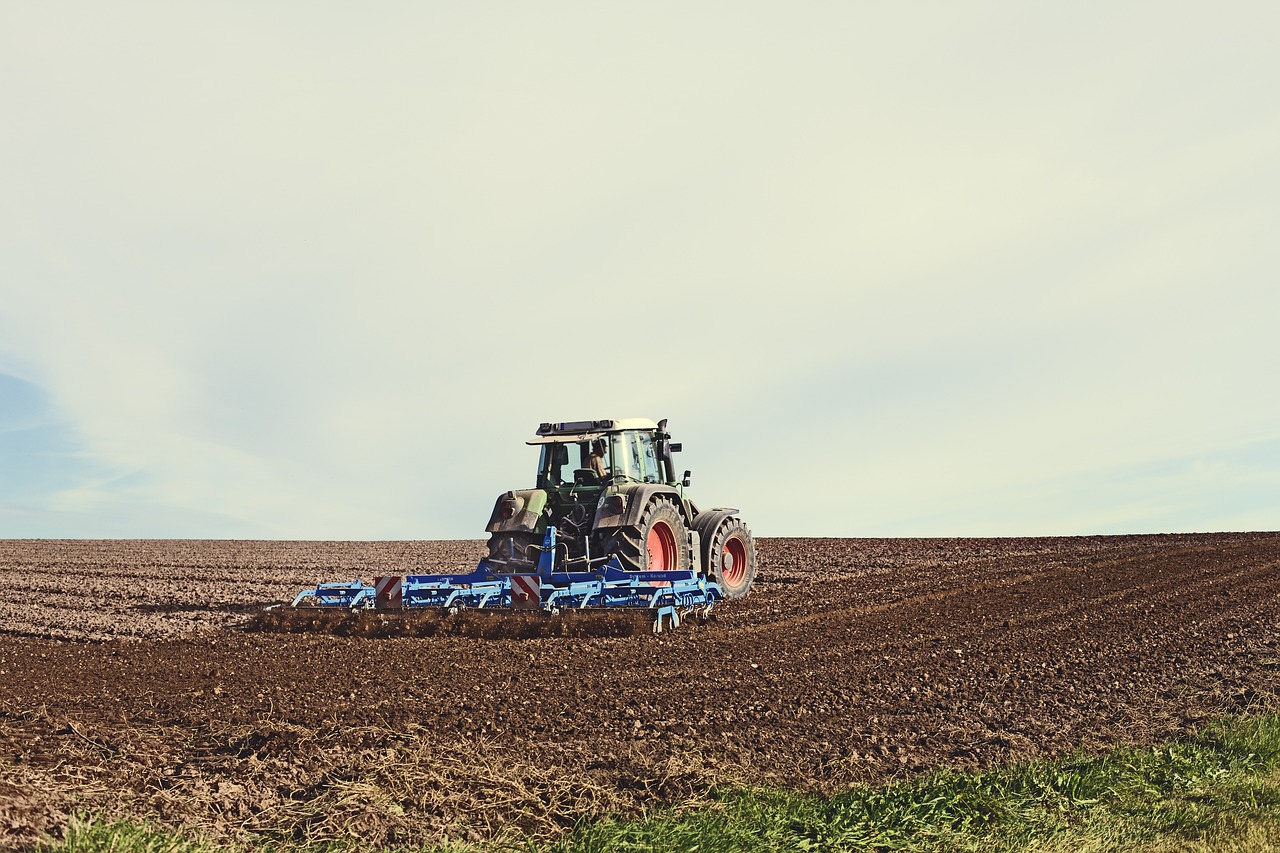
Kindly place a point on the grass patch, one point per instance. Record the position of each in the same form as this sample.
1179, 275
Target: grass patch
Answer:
83, 837
1218, 790
128, 837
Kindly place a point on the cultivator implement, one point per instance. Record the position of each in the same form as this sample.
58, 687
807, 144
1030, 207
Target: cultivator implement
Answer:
666, 597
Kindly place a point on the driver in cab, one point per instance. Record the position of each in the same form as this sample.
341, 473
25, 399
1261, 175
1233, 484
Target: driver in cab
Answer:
597, 466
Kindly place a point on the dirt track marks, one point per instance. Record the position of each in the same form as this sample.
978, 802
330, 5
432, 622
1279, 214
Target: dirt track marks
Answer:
855, 659
97, 590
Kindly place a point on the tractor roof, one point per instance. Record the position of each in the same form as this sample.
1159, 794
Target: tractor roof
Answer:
571, 431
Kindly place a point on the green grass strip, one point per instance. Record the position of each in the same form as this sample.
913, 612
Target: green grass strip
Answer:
1219, 790
126, 837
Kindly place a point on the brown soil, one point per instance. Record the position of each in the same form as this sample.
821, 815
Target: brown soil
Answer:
851, 660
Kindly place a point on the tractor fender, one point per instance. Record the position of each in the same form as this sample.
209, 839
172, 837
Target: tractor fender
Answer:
525, 505
637, 497
705, 524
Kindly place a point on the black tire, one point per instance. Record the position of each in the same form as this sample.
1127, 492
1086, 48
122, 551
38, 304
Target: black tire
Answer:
500, 550
629, 543
731, 558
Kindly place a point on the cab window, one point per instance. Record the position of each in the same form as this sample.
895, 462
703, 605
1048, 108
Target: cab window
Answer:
635, 458
626, 463
652, 473
559, 461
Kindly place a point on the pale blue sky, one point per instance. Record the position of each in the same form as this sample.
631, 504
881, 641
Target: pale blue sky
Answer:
318, 270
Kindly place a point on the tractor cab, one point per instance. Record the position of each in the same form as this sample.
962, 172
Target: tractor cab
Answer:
594, 454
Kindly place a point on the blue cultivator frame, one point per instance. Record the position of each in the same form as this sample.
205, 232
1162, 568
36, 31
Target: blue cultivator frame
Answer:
669, 595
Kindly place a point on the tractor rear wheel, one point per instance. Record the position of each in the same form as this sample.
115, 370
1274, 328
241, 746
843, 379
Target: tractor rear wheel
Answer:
732, 558
658, 543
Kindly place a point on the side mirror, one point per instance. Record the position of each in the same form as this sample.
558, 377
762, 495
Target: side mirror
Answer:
687, 475
562, 454
674, 447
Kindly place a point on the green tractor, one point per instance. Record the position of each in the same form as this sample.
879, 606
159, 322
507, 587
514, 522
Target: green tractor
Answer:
609, 488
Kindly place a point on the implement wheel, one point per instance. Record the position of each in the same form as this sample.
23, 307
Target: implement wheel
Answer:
732, 558
658, 544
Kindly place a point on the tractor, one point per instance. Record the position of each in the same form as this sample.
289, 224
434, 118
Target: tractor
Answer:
609, 488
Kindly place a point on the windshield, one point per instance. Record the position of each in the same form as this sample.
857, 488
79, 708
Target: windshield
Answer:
634, 457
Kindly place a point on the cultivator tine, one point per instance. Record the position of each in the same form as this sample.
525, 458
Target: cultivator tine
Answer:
671, 614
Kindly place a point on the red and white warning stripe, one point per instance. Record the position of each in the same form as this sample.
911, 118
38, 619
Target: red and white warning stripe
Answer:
526, 592
388, 592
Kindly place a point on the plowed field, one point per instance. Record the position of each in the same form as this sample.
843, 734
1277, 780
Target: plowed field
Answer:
128, 688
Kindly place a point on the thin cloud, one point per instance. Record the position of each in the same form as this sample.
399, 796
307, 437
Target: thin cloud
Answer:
304, 272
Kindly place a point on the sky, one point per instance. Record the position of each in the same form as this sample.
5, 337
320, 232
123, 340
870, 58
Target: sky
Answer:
317, 270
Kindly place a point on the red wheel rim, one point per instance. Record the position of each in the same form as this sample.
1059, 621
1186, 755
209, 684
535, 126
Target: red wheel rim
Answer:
733, 562
661, 545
